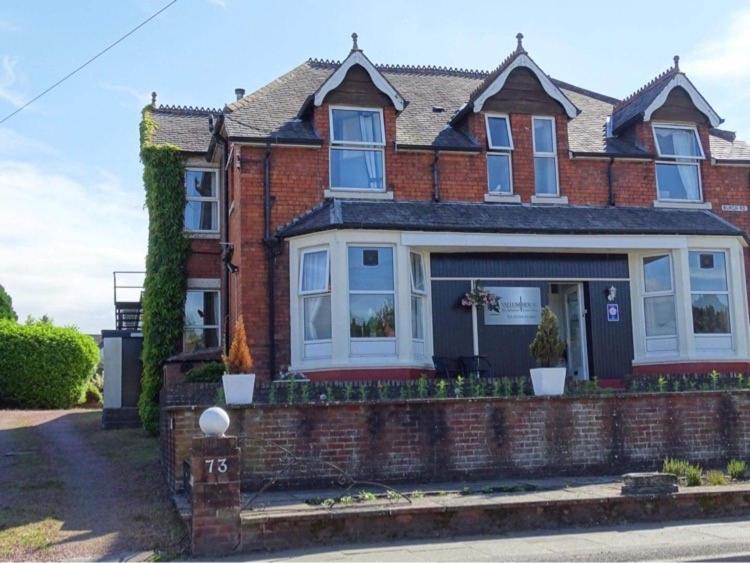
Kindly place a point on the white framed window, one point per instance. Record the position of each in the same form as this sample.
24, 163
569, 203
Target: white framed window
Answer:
709, 292
678, 175
546, 181
499, 162
315, 297
202, 200
372, 300
357, 157
418, 293
201, 328
659, 312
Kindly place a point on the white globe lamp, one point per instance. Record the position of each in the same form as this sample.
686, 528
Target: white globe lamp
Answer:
214, 422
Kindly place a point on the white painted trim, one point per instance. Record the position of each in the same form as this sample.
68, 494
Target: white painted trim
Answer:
680, 126
363, 144
681, 162
202, 233
358, 58
523, 60
342, 193
680, 80
683, 204
541, 154
302, 254
509, 156
550, 199
494, 197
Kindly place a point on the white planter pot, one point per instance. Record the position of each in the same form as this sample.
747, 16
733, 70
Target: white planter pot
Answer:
238, 388
548, 381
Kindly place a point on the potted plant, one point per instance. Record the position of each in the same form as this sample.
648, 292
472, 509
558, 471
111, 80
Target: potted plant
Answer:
239, 383
547, 348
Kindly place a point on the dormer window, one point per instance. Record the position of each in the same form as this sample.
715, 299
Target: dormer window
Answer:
545, 157
677, 170
500, 144
357, 155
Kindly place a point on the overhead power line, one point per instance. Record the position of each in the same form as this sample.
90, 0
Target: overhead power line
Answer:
88, 62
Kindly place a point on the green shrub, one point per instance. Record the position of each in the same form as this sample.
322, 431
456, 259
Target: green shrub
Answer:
693, 475
206, 373
716, 478
675, 466
93, 395
737, 469
44, 366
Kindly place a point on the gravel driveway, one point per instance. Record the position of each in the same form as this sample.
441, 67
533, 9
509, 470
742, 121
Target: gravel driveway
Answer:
70, 490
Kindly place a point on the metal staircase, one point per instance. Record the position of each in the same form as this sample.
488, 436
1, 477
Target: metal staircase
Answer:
128, 292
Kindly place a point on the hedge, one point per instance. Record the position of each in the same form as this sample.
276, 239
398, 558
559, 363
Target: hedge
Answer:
44, 366
164, 286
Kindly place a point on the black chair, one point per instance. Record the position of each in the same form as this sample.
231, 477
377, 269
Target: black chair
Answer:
446, 367
475, 366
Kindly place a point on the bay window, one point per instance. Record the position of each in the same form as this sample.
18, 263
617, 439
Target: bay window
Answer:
678, 168
202, 201
545, 157
372, 299
356, 154
201, 320
709, 293
418, 292
315, 294
659, 304
500, 144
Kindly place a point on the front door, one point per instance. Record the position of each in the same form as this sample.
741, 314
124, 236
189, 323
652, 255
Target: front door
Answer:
575, 330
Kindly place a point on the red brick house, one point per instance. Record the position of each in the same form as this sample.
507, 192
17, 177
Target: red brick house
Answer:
345, 208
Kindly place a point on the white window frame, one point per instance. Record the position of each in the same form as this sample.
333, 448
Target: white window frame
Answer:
675, 160
217, 326
214, 199
727, 292
494, 151
314, 348
417, 293
662, 293
552, 154
355, 145
393, 292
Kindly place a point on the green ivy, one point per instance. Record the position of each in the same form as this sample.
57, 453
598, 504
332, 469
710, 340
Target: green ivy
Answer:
164, 286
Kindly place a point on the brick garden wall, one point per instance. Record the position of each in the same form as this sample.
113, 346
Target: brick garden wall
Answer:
434, 440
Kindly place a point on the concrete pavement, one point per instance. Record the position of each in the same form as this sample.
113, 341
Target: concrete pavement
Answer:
716, 540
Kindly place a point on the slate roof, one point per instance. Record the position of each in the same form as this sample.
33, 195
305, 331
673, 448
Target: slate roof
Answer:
185, 127
502, 218
434, 95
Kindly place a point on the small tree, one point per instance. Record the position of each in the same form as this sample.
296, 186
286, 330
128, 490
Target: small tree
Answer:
6, 306
547, 347
239, 359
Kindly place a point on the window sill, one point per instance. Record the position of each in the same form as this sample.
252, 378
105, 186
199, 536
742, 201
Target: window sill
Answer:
550, 199
190, 234
683, 204
358, 194
502, 198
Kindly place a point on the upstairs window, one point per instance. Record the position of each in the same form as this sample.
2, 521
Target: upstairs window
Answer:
500, 143
545, 157
202, 205
677, 170
201, 320
357, 141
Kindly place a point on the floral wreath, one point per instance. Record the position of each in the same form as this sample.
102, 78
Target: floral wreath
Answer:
480, 297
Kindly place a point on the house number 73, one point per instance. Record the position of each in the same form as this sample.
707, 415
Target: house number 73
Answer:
221, 465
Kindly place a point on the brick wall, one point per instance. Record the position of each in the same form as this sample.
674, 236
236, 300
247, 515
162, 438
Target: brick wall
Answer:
475, 438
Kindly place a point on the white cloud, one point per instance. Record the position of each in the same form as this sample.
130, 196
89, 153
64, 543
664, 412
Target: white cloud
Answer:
220, 3
138, 97
61, 237
8, 79
727, 56
8, 25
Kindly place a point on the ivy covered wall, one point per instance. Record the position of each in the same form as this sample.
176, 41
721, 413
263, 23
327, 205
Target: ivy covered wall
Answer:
165, 284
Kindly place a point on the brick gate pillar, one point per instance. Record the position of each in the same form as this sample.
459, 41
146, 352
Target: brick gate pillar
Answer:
215, 498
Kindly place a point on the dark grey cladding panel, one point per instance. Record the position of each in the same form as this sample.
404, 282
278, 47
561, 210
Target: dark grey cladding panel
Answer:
529, 265
452, 332
610, 343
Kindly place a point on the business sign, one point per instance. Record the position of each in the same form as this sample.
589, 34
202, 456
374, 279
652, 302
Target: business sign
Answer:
613, 312
518, 306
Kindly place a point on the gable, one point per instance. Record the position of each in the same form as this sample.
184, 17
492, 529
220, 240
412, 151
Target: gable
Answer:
679, 106
357, 88
523, 93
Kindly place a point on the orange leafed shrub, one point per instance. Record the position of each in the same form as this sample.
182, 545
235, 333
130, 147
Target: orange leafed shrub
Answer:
239, 359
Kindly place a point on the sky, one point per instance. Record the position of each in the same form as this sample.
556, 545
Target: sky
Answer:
71, 195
